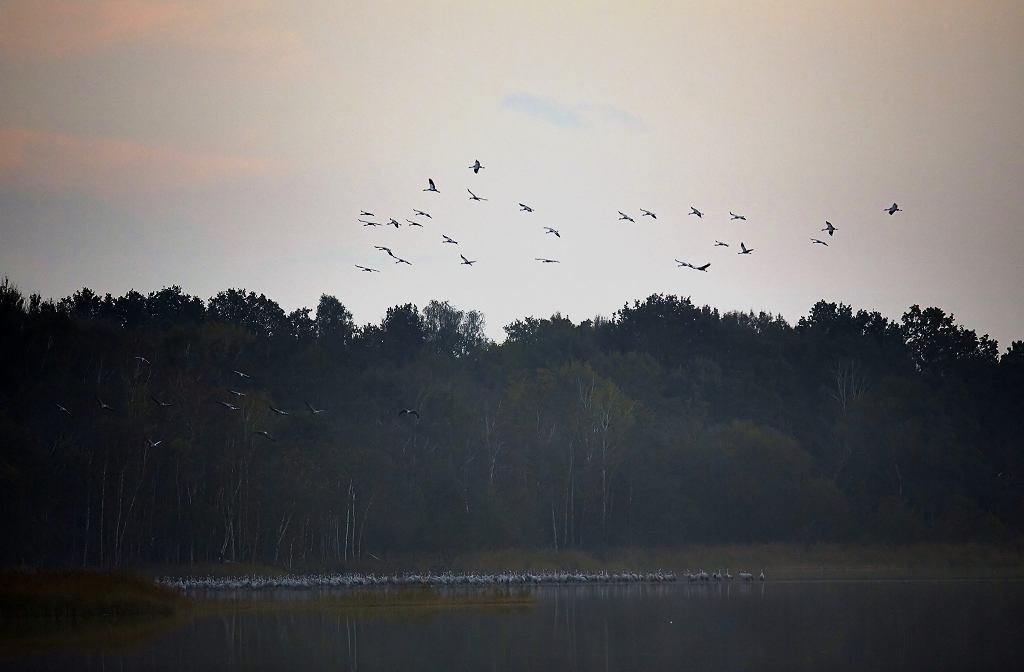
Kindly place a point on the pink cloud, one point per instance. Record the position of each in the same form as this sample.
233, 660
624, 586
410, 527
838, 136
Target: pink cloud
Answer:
51, 161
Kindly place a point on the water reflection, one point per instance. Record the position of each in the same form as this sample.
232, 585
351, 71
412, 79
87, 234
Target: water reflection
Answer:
800, 625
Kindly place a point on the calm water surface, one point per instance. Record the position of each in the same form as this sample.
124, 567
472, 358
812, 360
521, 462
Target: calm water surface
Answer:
860, 625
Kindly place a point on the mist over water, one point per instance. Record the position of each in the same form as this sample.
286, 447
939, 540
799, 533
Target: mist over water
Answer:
835, 625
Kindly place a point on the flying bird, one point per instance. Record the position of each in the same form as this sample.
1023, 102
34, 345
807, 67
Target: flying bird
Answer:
819, 242
695, 211
524, 207
701, 268
625, 216
399, 260
364, 213
366, 270
449, 240
829, 228
683, 263
142, 359
164, 404
474, 197
262, 432
230, 407
412, 223
744, 250
236, 393
547, 261
366, 223
103, 406
408, 411
893, 209
431, 187
385, 249
548, 229
467, 262
735, 216
278, 410
648, 213
63, 410
154, 444
314, 410
240, 374
476, 166
719, 243
420, 213
393, 223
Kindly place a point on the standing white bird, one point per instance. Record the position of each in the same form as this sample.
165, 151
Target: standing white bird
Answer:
893, 209
467, 262
431, 187
735, 216
829, 227
648, 213
474, 197
625, 216
476, 166
744, 250
525, 208
548, 229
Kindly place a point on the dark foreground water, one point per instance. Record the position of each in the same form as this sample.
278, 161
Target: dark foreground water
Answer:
861, 625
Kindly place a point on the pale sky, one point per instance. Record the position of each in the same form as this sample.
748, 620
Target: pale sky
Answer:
233, 143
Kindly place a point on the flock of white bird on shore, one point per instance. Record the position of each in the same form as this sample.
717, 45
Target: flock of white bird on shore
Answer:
356, 580
477, 167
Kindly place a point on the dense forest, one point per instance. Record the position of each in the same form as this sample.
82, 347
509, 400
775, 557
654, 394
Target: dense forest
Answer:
162, 428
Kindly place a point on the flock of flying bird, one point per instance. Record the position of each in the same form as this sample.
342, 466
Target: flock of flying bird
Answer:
477, 167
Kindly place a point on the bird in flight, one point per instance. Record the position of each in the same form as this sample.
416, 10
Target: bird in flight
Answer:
525, 208
154, 444
412, 223
893, 209
449, 240
103, 406
701, 268
819, 242
399, 260
648, 213
366, 223
393, 223
719, 243
142, 359
408, 411
467, 262
366, 269
278, 410
240, 374
683, 263
476, 166
625, 216
163, 404
547, 261
474, 197
695, 211
364, 213
236, 393
744, 250
548, 229
431, 187
735, 216
262, 432
829, 228
386, 249
420, 213
315, 410
63, 410
230, 407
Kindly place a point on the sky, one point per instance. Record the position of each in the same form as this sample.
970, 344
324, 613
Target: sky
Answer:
233, 143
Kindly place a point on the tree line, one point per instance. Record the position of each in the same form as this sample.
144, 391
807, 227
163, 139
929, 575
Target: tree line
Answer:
162, 428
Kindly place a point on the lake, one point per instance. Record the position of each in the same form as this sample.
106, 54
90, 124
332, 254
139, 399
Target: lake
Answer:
791, 625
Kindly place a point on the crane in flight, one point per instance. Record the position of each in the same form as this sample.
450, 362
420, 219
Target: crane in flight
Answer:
467, 262
369, 223
142, 359
408, 411
263, 432
399, 260
815, 241
314, 411
420, 213
701, 268
153, 444
230, 407
393, 223
648, 213
366, 269
623, 215
683, 263
719, 243
744, 250
735, 216
829, 227
893, 209
63, 410
162, 404
449, 240
431, 187
236, 393
476, 166
103, 406
695, 211
240, 374
385, 249
364, 213
547, 261
412, 223
525, 208
548, 229
278, 410
474, 197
